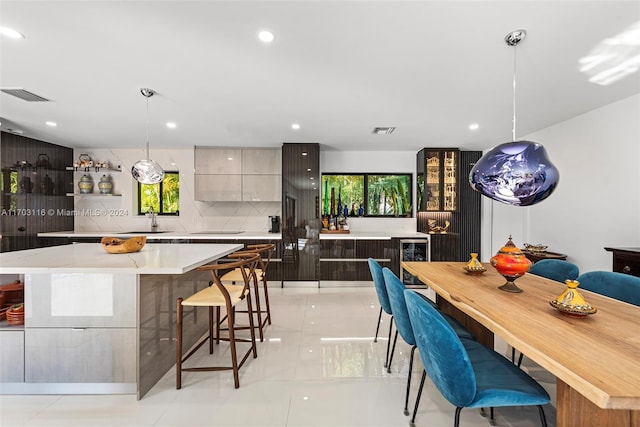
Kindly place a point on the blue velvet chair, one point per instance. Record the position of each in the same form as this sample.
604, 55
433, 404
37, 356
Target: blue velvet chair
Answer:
383, 299
555, 269
620, 286
468, 374
395, 290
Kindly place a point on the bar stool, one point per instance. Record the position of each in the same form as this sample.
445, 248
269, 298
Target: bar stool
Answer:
219, 295
265, 251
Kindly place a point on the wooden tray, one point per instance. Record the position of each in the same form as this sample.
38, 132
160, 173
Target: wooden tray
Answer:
334, 231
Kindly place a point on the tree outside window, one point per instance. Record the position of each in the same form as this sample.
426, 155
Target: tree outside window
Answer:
164, 197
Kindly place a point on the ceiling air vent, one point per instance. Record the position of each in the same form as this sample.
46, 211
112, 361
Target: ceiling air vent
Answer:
383, 130
23, 94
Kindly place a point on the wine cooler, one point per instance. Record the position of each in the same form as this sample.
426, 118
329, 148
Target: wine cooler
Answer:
413, 250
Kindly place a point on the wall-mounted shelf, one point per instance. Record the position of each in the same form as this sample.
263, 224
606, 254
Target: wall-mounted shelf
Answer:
91, 169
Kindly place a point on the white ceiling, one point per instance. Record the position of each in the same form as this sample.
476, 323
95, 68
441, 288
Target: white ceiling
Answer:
339, 68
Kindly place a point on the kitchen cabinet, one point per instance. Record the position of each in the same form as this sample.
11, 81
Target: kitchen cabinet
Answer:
80, 327
464, 233
301, 221
34, 184
247, 174
437, 177
11, 354
345, 260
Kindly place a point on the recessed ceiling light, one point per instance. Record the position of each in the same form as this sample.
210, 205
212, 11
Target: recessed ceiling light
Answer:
295, 126
229, 158
10, 32
474, 126
52, 124
266, 36
171, 125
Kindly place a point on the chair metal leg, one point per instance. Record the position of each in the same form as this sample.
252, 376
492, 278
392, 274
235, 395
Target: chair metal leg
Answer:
386, 357
179, 344
378, 325
210, 330
492, 420
393, 349
412, 423
520, 359
543, 419
406, 399
456, 422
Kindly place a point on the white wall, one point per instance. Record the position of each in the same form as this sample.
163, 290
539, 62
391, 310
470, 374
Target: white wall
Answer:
194, 216
597, 201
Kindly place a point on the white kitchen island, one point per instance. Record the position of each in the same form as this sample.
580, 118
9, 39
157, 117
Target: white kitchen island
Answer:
99, 323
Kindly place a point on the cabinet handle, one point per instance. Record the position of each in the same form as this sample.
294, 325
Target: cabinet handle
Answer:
78, 329
626, 269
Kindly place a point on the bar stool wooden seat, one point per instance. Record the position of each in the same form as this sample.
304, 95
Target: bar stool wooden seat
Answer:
260, 275
219, 295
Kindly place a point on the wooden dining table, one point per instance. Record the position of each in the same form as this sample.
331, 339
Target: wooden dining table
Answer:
595, 359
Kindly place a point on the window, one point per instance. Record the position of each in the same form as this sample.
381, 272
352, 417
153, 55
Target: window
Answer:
164, 197
367, 194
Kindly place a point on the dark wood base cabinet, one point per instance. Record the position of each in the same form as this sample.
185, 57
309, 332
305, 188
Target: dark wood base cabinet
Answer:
626, 260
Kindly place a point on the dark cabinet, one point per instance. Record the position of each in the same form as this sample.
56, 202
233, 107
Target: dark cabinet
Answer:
437, 179
34, 185
346, 259
626, 260
301, 220
456, 203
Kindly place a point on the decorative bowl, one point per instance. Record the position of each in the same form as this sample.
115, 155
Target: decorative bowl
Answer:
535, 249
114, 245
13, 292
15, 314
474, 271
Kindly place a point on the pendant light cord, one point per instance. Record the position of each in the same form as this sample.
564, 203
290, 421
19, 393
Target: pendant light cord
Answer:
513, 131
147, 128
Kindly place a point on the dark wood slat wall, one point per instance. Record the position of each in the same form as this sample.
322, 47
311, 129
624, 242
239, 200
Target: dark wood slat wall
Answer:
50, 183
470, 208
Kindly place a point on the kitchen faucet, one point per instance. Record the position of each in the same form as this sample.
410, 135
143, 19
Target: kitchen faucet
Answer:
151, 214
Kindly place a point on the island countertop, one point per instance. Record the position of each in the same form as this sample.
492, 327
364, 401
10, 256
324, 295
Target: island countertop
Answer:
244, 235
92, 258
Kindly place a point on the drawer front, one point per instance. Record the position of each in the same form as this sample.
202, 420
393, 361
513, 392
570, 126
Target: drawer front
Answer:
627, 264
66, 355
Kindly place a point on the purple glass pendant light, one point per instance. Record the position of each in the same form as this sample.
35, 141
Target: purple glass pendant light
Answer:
517, 173
147, 171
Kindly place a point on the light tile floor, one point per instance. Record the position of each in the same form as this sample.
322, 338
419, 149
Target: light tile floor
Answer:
318, 366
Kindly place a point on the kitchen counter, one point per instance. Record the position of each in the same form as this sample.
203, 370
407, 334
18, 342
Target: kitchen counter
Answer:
245, 235
107, 321
169, 235
92, 258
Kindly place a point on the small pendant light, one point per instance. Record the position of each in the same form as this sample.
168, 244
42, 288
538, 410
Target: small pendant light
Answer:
517, 173
147, 171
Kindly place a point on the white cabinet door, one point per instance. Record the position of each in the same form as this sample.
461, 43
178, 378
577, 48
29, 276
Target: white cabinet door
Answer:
11, 356
92, 355
218, 188
221, 161
258, 161
261, 188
